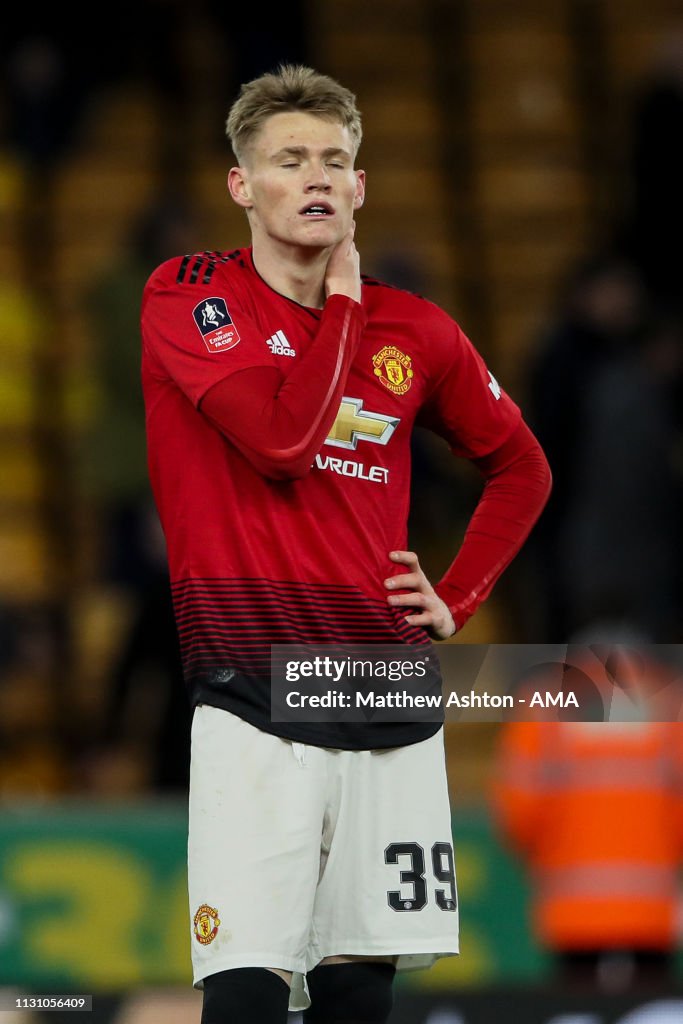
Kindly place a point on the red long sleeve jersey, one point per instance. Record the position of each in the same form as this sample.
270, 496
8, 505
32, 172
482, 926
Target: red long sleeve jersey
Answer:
255, 560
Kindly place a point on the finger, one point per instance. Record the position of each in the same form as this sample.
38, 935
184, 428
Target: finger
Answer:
421, 619
406, 557
414, 600
435, 627
406, 581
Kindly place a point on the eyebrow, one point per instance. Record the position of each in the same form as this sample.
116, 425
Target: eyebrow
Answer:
304, 151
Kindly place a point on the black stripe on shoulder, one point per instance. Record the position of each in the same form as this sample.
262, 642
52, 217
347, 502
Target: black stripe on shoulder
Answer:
198, 264
183, 268
215, 259
225, 257
209, 259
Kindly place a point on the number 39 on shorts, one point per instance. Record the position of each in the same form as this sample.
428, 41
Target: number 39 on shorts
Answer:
443, 870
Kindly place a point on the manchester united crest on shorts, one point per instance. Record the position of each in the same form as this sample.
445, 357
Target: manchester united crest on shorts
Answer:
206, 923
215, 325
393, 368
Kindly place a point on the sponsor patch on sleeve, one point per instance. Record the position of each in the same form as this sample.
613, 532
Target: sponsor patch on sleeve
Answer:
215, 325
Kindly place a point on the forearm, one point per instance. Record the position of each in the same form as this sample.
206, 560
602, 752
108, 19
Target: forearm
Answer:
517, 487
279, 423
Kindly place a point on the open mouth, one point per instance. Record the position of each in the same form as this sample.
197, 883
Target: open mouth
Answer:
317, 210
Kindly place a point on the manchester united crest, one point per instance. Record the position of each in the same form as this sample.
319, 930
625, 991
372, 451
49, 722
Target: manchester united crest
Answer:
206, 922
394, 369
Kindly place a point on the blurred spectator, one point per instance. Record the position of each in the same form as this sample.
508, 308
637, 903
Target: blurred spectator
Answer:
42, 108
656, 171
32, 759
602, 402
52, 66
133, 556
620, 545
595, 812
145, 739
114, 466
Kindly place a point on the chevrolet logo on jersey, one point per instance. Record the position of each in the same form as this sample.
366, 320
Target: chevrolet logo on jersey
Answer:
354, 424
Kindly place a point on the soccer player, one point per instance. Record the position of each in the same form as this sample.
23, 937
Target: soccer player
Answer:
281, 388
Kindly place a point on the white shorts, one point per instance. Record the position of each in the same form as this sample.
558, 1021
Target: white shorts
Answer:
297, 853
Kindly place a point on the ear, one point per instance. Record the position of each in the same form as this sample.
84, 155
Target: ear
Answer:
238, 187
360, 190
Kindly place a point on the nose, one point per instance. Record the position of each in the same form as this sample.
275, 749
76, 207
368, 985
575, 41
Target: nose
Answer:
319, 180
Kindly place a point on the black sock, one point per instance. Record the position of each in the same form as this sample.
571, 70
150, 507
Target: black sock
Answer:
246, 995
350, 993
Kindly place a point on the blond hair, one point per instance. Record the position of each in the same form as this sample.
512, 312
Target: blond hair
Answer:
290, 88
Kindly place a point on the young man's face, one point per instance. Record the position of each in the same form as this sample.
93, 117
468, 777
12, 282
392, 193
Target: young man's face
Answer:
297, 181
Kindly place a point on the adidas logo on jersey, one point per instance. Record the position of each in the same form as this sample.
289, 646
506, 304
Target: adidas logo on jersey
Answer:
279, 345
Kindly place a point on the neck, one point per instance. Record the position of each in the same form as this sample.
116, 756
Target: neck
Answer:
297, 273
